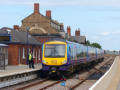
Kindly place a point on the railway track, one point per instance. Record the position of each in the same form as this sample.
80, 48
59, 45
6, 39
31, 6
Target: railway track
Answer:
82, 79
50, 85
95, 69
33, 84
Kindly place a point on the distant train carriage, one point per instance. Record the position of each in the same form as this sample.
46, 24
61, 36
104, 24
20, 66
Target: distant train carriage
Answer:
62, 55
4, 51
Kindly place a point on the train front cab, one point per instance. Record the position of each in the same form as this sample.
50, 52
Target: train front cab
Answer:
54, 58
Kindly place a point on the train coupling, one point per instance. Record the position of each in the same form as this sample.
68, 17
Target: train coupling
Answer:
53, 70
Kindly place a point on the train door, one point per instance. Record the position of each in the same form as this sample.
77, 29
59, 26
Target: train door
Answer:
69, 55
87, 53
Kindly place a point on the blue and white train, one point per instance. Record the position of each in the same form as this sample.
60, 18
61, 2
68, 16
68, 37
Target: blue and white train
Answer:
63, 55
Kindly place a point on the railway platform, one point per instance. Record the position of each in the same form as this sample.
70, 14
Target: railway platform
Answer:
17, 74
111, 79
17, 69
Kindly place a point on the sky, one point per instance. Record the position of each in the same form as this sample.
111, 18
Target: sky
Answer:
98, 20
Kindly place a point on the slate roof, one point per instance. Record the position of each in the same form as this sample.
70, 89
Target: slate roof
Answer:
18, 36
79, 39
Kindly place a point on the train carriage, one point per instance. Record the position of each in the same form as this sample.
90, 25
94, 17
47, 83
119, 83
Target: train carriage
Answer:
62, 55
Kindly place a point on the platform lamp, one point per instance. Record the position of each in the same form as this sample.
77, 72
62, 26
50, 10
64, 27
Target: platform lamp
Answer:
27, 29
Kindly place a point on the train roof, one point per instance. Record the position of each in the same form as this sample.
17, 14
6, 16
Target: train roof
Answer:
69, 42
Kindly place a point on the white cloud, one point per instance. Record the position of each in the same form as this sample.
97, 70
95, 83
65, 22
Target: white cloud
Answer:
110, 33
105, 33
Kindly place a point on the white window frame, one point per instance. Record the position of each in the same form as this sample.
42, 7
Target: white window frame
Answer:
36, 56
29, 50
39, 54
23, 53
33, 53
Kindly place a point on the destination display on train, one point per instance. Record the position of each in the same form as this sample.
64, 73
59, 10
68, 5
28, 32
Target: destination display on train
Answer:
4, 38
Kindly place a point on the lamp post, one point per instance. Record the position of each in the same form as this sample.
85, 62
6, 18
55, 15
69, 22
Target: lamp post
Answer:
27, 28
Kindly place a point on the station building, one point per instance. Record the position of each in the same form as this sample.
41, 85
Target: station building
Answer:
77, 38
42, 27
18, 44
39, 29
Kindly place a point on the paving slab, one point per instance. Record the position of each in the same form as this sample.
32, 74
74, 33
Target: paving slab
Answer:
18, 69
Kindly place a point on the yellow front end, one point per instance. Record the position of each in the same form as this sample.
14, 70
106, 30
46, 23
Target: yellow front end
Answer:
54, 61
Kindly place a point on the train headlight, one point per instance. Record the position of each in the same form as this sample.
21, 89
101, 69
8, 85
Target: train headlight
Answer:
43, 61
65, 61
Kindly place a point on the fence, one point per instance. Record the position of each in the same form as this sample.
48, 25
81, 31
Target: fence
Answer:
2, 61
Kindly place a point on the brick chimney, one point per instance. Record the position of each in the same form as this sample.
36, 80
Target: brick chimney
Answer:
16, 27
69, 31
48, 13
36, 7
77, 32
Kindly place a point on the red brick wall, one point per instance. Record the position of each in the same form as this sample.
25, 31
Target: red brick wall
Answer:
77, 33
36, 8
48, 13
69, 30
44, 39
13, 54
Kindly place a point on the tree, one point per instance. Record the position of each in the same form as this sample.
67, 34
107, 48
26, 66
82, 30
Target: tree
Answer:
97, 45
88, 42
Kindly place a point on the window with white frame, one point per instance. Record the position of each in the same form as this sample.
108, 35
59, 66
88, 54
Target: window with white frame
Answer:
36, 55
39, 55
23, 56
55, 26
33, 53
29, 50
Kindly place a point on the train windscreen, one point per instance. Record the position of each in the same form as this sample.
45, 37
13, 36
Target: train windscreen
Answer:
55, 50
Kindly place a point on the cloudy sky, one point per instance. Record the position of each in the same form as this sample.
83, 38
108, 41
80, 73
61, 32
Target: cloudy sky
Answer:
98, 20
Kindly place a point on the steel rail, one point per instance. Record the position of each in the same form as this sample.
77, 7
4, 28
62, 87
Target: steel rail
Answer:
31, 85
50, 85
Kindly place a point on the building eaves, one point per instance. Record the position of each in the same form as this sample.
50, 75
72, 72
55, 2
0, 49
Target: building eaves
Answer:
20, 37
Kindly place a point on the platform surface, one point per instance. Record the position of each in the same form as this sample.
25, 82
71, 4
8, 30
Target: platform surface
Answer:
111, 79
11, 70
118, 88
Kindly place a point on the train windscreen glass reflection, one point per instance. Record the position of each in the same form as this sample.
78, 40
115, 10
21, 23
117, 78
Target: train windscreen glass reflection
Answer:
54, 50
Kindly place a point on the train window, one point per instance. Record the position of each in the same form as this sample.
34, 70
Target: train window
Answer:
74, 52
54, 50
70, 52
83, 51
71, 55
